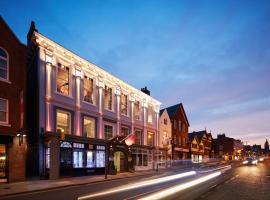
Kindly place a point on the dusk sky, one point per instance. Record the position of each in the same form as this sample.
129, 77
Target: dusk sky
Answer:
213, 56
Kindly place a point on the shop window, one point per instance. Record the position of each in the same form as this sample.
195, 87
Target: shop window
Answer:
89, 127
137, 110
62, 79
47, 157
3, 64
150, 139
124, 104
77, 159
88, 88
108, 98
3, 111
63, 121
100, 161
138, 137
125, 131
108, 131
3, 161
90, 159
66, 157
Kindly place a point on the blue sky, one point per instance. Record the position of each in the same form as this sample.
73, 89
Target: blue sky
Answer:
214, 56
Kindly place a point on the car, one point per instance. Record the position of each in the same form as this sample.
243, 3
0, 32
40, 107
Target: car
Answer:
250, 161
260, 159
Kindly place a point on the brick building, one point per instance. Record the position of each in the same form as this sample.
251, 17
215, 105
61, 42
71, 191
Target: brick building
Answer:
12, 96
180, 124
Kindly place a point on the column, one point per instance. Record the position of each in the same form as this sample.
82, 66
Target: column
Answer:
132, 100
54, 158
157, 128
118, 112
48, 90
100, 85
144, 123
78, 102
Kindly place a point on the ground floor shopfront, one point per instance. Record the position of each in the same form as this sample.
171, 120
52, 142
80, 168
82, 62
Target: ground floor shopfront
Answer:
12, 158
180, 153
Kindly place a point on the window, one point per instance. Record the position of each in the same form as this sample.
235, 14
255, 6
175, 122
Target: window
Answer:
89, 127
62, 81
88, 90
100, 159
180, 141
150, 114
77, 159
137, 111
179, 125
174, 124
3, 64
150, 139
108, 98
90, 160
47, 155
125, 131
138, 137
184, 127
165, 139
63, 122
3, 110
124, 102
165, 121
108, 131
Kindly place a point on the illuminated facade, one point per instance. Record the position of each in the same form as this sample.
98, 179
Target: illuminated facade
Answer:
78, 107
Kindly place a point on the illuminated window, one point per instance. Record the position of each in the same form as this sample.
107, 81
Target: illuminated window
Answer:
108, 98
77, 159
138, 137
137, 110
63, 121
89, 127
62, 79
125, 131
3, 64
108, 131
124, 103
88, 90
3, 111
150, 114
100, 159
165, 121
150, 139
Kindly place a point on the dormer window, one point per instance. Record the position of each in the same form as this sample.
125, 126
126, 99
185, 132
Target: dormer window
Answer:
3, 64
62, 79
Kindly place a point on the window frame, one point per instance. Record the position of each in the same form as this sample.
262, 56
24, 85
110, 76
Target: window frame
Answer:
106, 138
107, 87
139, 110
59, 64
7, 60
70, 119
93, 90
125, 105
7, 112
95, 126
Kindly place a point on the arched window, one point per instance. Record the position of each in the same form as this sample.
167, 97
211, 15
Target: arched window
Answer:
3, 64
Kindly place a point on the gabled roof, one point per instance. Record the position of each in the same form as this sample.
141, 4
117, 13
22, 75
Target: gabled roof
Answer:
173, 109
10, 30
199, 134
161, 112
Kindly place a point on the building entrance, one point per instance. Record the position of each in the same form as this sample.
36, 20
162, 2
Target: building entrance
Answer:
119, 161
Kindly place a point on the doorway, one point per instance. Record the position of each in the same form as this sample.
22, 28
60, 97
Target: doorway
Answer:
119, 161
3, 163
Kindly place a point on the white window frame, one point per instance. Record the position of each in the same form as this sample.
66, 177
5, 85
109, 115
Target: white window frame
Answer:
7, 115
7, 59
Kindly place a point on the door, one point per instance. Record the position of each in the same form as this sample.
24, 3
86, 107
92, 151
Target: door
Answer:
3, 163
119, 161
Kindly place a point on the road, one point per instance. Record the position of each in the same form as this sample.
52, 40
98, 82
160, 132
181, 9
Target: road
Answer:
236, 182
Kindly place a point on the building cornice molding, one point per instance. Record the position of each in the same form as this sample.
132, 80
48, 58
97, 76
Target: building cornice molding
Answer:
63, 53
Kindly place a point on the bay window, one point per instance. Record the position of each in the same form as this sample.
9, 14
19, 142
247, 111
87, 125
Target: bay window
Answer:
62, 79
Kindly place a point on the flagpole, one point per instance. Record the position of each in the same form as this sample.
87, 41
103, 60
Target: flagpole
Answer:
126, 137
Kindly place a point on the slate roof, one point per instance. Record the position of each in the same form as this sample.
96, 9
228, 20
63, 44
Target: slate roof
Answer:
173, 109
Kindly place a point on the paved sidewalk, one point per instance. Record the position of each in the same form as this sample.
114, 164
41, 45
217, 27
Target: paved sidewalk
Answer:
41, 185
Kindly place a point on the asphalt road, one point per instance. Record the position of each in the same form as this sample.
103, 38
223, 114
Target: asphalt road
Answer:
242, 182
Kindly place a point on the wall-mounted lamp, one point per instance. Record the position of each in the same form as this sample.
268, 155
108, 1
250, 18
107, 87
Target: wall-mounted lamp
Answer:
20, 135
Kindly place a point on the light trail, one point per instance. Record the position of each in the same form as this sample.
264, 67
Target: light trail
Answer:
139, 184
215, 169
170, 191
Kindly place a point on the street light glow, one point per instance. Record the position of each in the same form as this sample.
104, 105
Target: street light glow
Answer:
167, 192
140, 184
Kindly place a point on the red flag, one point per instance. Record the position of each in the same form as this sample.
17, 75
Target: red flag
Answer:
130, 139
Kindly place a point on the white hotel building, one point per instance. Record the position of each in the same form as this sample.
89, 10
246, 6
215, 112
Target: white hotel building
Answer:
75, 108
